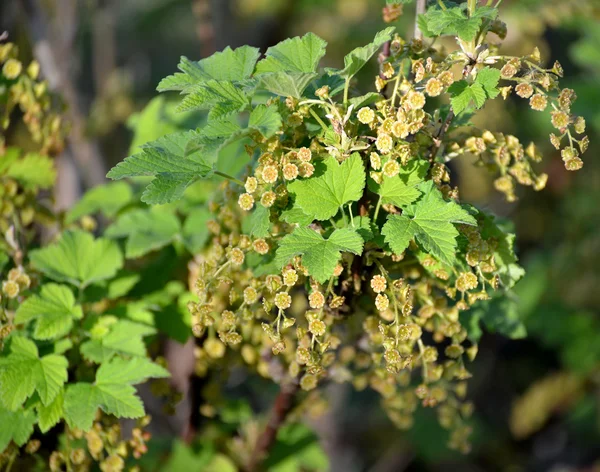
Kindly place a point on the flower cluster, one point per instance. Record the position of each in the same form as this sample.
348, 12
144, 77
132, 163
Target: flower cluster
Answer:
21, 88
391, 320
104, 444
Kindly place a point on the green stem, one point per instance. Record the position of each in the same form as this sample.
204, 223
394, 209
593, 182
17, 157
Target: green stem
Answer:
229, 177
441, 4
351, 215
471, 6
223, 267
316, 117
346, 89
11, 461
377, 208
396, 85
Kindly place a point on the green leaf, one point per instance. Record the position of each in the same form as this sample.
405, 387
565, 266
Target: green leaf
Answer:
33, 171
365, 100
183, 457
430, 222
321, 197
158, 118
132, 371
121, 338
53, 309
230, 96
357, 58
112, 392
221, 128
452, 21
120, 285
467, 29
364, 226
295, 215
146, 231
195, 231
287, 84
49, 415
227, 65
498, 315
401, 190
258, 223
78, 258
22, 372
488, 78
168, 160
320, 256
297, 448
266, 120
107, 199
464, 94
293, 55
483, 88
17, 426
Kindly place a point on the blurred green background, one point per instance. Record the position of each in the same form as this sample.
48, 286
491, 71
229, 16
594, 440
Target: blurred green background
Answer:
537, 398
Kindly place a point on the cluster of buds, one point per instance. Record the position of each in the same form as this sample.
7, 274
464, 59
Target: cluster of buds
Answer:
275, 167
16, 283
103, 444
22, 88
540, 86
505, 155
18, 202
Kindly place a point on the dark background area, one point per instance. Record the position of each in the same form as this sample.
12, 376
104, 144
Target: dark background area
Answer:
537, 399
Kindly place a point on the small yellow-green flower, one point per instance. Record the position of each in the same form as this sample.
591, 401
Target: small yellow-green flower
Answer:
12, 69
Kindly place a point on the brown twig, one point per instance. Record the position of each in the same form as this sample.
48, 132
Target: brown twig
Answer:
284, 402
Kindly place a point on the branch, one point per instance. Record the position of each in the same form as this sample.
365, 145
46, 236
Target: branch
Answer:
439, 137
421, 7
284, 402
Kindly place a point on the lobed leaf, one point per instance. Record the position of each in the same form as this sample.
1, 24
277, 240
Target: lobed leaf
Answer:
79, 259
287, 84
319, 255
401, 190
293, 55
112, 392
23, 372
53, 310
430, 222
228, 65
146, 231
17, 426
358, 58
320, 197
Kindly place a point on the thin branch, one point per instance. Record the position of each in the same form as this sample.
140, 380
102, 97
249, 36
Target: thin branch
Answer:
281, 408
439, 137
421, 7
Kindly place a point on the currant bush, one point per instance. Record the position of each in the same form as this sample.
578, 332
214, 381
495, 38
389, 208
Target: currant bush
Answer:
331, 246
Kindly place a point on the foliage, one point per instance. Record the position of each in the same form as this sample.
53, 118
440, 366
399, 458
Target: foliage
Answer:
323, 239
350, 196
